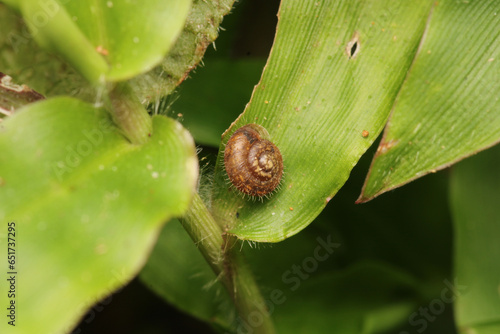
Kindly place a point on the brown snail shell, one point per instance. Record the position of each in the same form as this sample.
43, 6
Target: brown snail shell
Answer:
253, 164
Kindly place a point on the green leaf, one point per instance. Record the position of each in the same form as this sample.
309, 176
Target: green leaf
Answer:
87, 205
449, 107
177, 272
132, 36
334, 72
201, 30
475, 194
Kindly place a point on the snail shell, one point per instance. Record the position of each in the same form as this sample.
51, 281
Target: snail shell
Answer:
253, 163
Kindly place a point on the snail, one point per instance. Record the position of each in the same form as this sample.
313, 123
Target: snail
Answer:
253, 164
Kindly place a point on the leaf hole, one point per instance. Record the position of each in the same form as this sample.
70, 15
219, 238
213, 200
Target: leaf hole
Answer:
353, 46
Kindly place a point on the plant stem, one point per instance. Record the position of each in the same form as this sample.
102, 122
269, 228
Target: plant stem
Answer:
247, 297
129, 114
229, 265
205, 232
61, 34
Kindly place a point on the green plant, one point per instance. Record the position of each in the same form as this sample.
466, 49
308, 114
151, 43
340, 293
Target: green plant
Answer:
90, 175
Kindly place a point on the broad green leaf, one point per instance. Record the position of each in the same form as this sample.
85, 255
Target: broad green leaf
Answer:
449, 106
475, 195
112, 39
325, 95
87, 205
177, 272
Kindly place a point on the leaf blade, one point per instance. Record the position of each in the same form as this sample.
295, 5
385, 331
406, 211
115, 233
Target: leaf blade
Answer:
86, 230
448, 107
132, 37
316, 99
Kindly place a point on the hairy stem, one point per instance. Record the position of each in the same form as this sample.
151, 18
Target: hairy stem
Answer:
129, 114
205, 232
229, 265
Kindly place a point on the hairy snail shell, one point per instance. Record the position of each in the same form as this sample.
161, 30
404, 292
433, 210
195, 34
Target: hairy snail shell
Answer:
253, 163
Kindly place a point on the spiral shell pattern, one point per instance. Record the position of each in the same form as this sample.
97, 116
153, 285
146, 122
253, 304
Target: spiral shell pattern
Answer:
253, 164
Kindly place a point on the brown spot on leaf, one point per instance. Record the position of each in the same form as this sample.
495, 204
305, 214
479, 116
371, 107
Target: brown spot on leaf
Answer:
100, 49
384, 147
